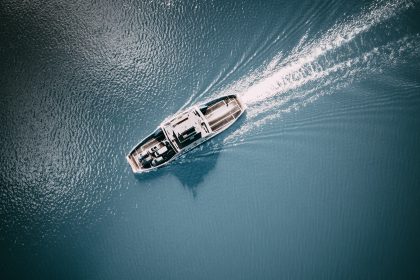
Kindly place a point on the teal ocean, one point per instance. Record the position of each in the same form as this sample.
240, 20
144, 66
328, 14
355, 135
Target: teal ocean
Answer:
320, 179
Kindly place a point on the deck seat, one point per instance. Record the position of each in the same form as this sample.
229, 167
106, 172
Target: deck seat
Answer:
142, 155
157, 161
162, 150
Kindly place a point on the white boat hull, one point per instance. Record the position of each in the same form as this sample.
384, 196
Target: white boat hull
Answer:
183, 132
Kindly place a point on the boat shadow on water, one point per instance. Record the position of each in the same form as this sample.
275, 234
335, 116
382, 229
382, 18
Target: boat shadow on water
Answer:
192, 168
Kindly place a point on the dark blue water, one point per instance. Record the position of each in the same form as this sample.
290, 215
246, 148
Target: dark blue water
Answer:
320, 179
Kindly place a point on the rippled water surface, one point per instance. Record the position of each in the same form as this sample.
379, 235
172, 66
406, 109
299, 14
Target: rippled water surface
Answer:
320, 178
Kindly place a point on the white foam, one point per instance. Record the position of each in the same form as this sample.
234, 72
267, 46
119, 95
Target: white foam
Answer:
307, 89
293, 72
288, 83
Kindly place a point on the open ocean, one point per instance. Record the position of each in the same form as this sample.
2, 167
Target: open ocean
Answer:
320, 179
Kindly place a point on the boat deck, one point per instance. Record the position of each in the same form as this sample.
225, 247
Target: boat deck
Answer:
222, 113
185, 131
150, 146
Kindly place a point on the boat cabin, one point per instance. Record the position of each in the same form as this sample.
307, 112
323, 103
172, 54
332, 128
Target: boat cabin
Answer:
185, 129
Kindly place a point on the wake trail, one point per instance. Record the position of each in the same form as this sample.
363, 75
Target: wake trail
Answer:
301, 62
346, 53
321, 66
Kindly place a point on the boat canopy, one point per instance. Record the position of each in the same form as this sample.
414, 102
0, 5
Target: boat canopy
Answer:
186, 128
